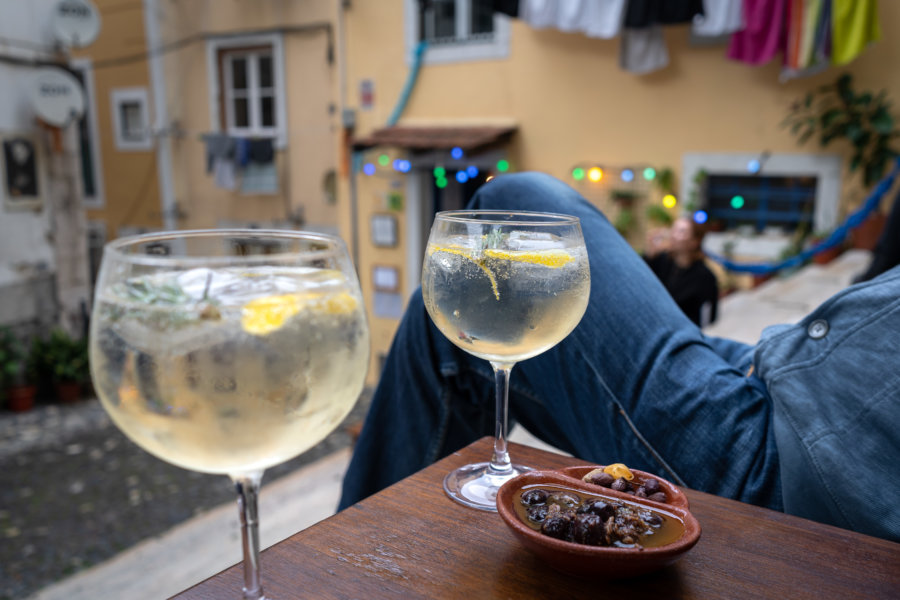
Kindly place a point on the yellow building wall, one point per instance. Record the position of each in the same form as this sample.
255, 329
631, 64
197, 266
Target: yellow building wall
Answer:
307, 31
130, 185
573, 104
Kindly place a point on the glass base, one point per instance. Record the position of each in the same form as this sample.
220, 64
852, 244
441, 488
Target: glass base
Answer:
476, 485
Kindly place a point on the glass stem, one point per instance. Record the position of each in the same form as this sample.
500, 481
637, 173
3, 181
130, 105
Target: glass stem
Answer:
247, 487
500, 463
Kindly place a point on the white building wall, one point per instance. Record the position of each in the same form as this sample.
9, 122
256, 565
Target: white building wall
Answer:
27, 250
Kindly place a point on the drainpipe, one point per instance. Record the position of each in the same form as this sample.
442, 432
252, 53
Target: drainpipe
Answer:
161, 116
348, 122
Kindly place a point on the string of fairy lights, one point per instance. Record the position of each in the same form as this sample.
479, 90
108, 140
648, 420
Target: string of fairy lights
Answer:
461, 171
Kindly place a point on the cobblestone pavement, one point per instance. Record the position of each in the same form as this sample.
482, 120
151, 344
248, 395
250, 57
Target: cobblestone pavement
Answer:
74, 491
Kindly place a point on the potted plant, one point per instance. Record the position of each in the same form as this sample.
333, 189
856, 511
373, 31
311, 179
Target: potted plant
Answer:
17, 373
67, 360
865, 122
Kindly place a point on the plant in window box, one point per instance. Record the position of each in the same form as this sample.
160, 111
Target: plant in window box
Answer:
67, 361
625, 198
17, 373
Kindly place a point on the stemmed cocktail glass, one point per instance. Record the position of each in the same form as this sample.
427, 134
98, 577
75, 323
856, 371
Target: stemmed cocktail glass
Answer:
503, 286
229, 351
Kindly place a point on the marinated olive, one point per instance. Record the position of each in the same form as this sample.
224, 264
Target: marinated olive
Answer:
652, 486
534, 497
536, 513
621, 485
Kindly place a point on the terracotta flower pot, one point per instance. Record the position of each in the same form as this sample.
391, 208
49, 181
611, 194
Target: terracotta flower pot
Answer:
20, 398
866, 235
68, 392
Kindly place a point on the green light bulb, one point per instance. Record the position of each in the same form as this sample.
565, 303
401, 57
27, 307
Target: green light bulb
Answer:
440, 172
503, 166
578, 173
384, 160
737, 202
649, 173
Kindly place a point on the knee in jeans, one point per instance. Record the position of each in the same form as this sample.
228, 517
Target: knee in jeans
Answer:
523, 191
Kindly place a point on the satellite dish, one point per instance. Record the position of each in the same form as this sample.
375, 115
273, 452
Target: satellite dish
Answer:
57, 97
76, 23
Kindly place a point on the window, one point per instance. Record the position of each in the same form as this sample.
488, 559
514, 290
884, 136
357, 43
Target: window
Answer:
247, 95
88, 140
131, 119
761, 201
249, 92
456, 30
455, 21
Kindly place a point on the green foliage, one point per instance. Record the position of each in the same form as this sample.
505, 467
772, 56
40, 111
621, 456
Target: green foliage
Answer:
62, 357
659, 215
625, 196
838, 112
624, 222
665, 180
11, 356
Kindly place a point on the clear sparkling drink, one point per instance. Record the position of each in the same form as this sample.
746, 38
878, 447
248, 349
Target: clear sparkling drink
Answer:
505, 303
229, 370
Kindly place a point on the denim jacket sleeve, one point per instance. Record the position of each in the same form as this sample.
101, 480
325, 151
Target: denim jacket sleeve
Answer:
834, 379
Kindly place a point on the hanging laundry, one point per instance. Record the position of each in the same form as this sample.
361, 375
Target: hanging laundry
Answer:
720, 17
260, 178
540, 14
763, 37
242, 152
261, 151
603, 18
570, 15
854, 26
808, 38
643, 50
224, 173
509, 8
218, 145
645, 13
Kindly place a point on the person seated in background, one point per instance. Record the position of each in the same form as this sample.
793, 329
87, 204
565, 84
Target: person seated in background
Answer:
804, 421
886, 253
676, 257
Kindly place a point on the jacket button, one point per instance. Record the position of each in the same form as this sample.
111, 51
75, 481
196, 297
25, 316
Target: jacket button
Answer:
817, 329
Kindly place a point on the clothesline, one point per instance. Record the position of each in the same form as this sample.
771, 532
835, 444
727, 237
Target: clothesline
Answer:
837, 236
811, 35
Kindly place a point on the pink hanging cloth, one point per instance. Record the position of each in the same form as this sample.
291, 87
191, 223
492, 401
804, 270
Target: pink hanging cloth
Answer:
764, 35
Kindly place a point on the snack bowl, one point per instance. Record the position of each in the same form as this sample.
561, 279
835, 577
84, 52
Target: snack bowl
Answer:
674, 496
609, 562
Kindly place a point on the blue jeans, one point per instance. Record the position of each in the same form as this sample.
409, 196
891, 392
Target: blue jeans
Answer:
636, 382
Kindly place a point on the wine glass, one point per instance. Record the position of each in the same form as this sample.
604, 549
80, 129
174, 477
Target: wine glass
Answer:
229, 351
503, 286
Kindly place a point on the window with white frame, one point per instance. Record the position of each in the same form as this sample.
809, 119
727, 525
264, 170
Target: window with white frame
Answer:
247, 94
456, 30
131, 119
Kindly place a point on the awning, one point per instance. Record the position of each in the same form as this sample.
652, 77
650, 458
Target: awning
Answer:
469, 138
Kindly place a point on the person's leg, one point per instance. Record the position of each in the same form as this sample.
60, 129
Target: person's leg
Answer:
636, 382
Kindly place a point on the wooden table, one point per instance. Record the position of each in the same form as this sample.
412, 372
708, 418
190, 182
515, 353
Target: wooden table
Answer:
411, 541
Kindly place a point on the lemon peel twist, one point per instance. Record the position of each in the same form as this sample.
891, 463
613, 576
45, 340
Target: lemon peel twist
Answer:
546, 258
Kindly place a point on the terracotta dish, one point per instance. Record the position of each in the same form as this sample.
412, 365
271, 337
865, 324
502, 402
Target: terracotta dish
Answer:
593, 561
674, 496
